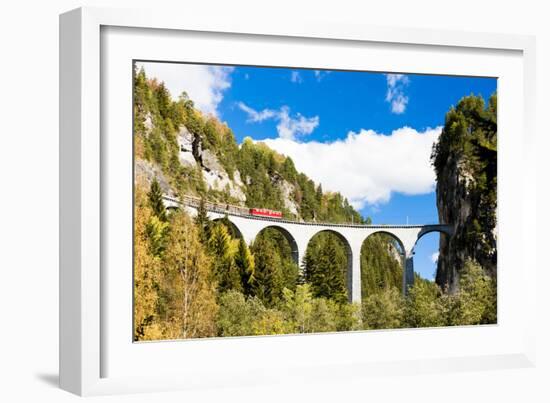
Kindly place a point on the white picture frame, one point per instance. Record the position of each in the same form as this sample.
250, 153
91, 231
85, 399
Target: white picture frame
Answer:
93, 349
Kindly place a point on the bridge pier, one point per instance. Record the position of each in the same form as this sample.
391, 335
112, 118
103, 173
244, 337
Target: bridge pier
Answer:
408, 272
354, 275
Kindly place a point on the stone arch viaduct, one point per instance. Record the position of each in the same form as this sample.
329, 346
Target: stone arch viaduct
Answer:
299, 233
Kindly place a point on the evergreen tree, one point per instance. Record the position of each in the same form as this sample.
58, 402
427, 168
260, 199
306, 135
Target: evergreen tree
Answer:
224, 269
381, 264
155, 200
157, 231
325, 267
245, 265
164, 100
269, 279
319, 193
202, 222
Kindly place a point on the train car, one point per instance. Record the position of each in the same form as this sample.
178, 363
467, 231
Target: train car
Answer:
263, 212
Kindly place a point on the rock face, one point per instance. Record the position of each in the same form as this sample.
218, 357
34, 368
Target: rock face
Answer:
454, 207
462, 203
218, 179
287, 190
148, 123
191, 154
147, 171
185, 143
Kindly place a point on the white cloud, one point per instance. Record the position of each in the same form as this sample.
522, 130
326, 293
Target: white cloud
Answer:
295, 77
256, 116
366, 167
434, 257
204, 84
288, 126
395, 93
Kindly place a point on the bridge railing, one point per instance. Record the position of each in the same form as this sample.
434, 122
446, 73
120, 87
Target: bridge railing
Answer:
229, 209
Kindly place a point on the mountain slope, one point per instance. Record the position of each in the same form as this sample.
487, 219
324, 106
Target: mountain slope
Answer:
199, 155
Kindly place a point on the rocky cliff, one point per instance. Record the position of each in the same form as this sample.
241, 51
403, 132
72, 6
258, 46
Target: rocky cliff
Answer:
465, 161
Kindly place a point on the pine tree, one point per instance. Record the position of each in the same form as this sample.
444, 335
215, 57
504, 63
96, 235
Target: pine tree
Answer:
157, 231
202, 222
155, 200
269, 280
224, 269
164, 100
325, 266
245, 265
319, 193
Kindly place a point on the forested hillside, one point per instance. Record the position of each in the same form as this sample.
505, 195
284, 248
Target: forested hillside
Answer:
196, 278
199, 155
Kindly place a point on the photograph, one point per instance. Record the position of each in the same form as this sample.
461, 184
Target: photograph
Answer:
275, 200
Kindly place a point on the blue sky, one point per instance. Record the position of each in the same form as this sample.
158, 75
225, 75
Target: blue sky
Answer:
367, 135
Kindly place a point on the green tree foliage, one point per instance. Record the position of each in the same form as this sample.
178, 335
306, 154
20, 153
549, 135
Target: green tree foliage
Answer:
244, 261
298, 307
381, 264
223, 264
188, 290
476, 300
268, 274
146, 274
423, 306
306, 314
237, 314
383, 310
156, 232
325, 267
202, 222
155, 200
298, 312
174, 291
242, 316
274, 267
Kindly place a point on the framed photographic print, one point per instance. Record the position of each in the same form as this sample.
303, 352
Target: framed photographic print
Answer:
240, 202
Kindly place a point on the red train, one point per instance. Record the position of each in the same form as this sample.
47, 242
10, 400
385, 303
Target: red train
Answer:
263, 212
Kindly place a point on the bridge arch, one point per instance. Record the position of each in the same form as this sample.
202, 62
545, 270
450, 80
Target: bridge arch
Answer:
349, 255
370, 276
233, 229
338, 234
294, 250
391, 235
442, 230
